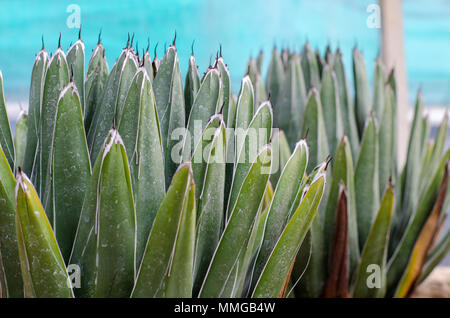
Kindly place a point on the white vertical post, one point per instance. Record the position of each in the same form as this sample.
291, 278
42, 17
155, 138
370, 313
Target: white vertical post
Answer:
394, 57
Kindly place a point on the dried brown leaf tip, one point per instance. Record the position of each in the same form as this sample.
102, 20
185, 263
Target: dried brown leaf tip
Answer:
337, 284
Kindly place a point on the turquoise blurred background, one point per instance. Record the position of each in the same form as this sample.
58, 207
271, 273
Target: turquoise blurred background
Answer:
242, 27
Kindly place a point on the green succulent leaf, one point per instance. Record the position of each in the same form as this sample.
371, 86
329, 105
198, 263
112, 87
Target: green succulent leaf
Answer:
348, 111
283, 199
225, 270
226, 87
96, 79
140, 133
20, 138
6, 141
281, 153
191, 84
366, 181
252, 140
70, 169
275, 78
34, 113
148, 66
363, 104
209, 177
168, 89
206, 104
109, 110
314, 130
38, 249
75, 61
56, 78
167, 266
292, 101
245, 105
379, 82
104, 246
375, 249
311, 69
386, 139
332, 113
277, 268
12, 285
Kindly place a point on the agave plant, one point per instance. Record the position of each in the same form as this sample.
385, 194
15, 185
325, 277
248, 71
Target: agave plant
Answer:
100, 193
130, 184
377, 220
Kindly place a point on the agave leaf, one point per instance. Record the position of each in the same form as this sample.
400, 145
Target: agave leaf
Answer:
314, 129
410, 182
231, 151
275, 78
283, 199
436, 256
255, 241
191, 84
34, 112
56, 78
258, 84
386, 139
225, 270
6, 141
375, 249
424, 241
332, 114
366, 181
271, 283
292, 101
110, 108
436, 152
337, 282
226, 87
210, 184
148, 66
260, 61
329, 57
140, 132
38, 250
96, 79
313, 278
168, 89
206, 104
402, 253
70, 168
363, 104
12, 285
104, 246
348, 111
280, 155
245, 105
379, 82
310, 68
253, 139
20, 138
75, 61
167, 266
343, 172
